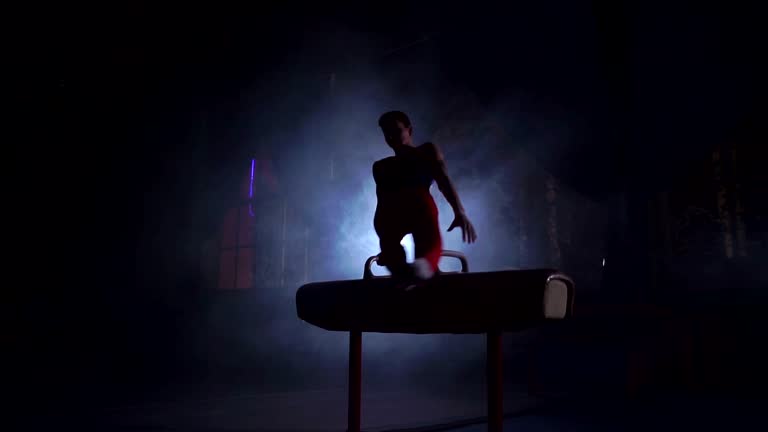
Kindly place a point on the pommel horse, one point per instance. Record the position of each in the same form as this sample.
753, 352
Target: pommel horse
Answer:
451, 302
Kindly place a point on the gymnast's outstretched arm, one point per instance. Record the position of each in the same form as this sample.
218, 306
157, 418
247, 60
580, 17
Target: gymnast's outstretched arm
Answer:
446, 186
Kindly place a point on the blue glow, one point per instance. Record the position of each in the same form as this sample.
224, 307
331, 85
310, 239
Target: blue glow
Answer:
250, 189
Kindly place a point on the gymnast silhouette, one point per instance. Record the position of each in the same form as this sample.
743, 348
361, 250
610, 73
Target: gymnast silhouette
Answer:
404, 204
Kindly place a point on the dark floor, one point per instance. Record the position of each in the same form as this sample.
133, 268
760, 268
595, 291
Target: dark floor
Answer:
663, 414
325, 410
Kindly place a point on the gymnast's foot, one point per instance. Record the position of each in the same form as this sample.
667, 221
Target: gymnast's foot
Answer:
421, 272
422, 269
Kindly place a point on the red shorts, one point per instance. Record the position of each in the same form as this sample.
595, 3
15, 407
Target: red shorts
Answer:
408, 212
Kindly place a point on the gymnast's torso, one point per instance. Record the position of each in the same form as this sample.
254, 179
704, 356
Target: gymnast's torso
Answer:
403, 181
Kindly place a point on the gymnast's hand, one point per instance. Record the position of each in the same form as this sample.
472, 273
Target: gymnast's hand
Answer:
468, 234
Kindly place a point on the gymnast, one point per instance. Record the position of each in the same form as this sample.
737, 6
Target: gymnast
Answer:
405, 205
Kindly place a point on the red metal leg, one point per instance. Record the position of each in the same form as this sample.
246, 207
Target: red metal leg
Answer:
355, 380
495, 382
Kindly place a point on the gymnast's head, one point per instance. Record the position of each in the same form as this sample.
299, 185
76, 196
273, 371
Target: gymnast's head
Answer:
397, 129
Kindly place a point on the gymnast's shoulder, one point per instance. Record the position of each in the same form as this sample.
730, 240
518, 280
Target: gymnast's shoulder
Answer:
431, 151
382, 164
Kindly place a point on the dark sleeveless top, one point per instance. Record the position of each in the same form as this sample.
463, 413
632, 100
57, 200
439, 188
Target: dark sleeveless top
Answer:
398, 173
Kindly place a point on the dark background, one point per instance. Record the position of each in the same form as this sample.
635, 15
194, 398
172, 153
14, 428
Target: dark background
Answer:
150, 116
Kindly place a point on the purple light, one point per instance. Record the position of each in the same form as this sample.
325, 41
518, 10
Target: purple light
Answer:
250, 190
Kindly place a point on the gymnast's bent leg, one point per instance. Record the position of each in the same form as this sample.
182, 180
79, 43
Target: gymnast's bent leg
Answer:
428, 243
392, 254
